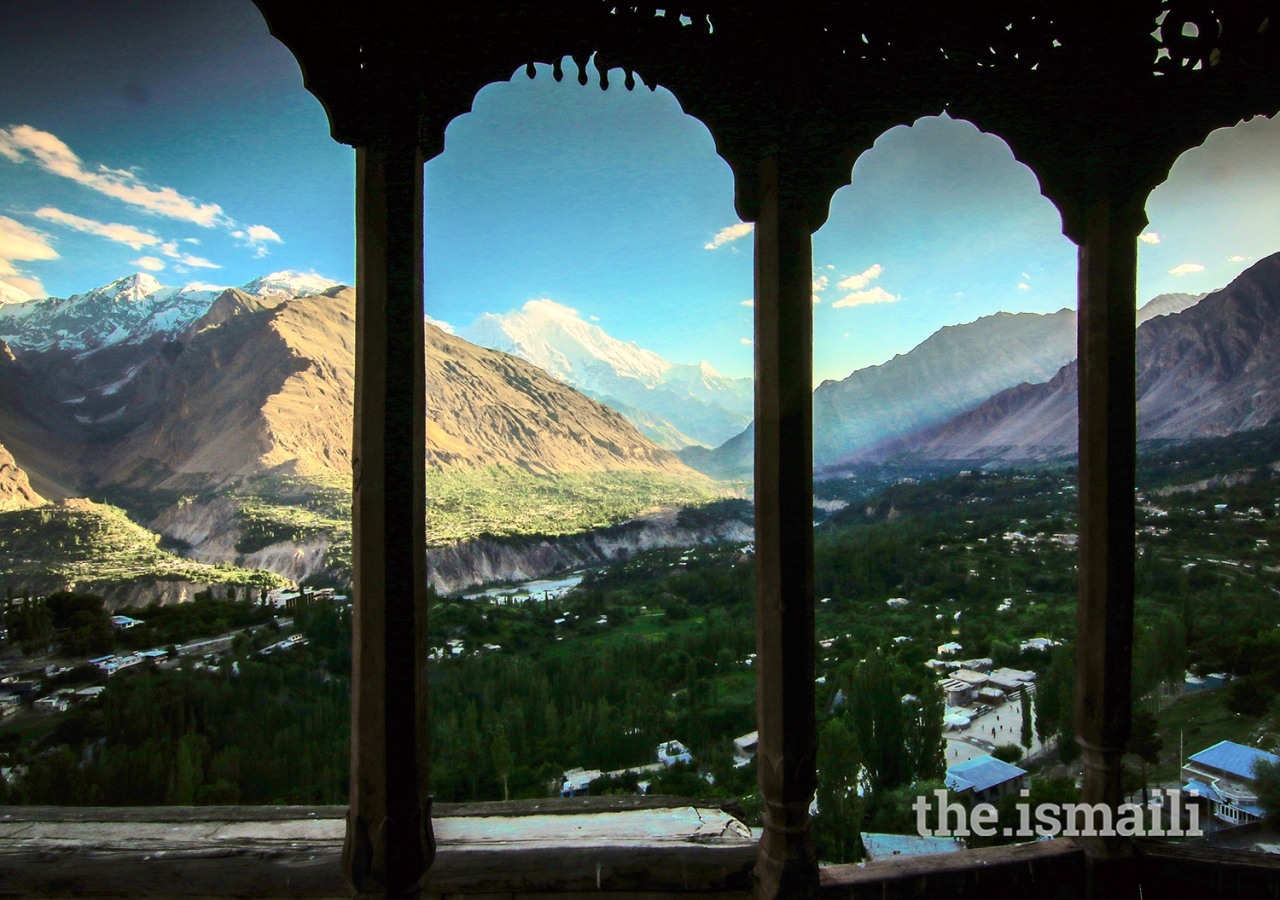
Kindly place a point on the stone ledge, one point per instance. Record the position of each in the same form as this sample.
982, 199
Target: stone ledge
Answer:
659, 847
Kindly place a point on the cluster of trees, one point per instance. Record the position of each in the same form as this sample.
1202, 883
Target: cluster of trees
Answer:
253, 731
873, 751
79, 623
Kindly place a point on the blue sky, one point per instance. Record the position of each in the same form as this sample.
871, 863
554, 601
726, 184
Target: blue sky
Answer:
178, 139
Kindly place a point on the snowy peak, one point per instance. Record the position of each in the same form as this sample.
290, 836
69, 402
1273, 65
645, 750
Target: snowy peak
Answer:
554, 338
293, 284
673, 404
129, 289
129, 310
10, 294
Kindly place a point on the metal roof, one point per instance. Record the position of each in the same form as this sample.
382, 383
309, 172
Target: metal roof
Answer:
1232, 758
984, 772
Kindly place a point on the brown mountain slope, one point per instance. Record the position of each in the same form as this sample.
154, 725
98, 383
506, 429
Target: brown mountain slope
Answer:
15, 489
272, 389
1210, 370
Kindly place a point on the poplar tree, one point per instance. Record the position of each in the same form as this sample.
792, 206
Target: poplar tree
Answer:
1025, 699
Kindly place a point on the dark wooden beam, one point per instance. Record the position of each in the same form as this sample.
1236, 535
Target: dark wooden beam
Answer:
389, 844
787, 865
1108, 272
1044, 870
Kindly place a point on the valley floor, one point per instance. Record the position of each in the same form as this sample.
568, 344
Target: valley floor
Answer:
660, 647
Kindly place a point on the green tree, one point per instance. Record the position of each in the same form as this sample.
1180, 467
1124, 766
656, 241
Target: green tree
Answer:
839, 806
1266, 775
1024, 699
1144, 743
500, 750
880, 723
1009, 753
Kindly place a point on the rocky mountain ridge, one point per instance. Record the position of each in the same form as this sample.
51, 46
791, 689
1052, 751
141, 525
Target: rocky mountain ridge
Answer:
129, 310
1208, 370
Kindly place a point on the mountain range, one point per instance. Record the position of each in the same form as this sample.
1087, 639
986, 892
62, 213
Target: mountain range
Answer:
222, 417
674, 405
1208, 369
155, 388
953, 370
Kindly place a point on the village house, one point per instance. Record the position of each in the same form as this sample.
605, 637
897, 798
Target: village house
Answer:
1011, 681
744, 749
984, 779
963, 687
1222, 778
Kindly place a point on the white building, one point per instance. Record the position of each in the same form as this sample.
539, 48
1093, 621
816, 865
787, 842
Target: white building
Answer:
672, 752
1222, 777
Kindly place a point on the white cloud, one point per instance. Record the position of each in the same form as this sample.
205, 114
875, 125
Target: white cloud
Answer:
746, 341
121, 234
443, 326
858, 282
817, 299
862, 298
1239, 258
18, 242
594, 318
150, 263
551, 308
1026, 277
731, 233
30, 286
257, 237
1022, 286
170, 249
820, 284
1149, 237
750, 302
203, 286
829, 266
192, 240
1186, 269
51, 154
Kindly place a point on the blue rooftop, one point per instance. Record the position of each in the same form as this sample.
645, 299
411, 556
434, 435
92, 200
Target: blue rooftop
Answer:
1232, 758
983, 772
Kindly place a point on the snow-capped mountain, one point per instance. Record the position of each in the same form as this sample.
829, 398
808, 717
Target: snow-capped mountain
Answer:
290, 284
129, 310
10, 294
675, 405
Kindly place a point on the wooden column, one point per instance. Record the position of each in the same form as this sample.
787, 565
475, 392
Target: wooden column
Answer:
787, 864
1108, 271
389, 842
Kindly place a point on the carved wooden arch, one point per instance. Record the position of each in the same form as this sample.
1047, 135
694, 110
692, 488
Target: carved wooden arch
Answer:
1085, 94
750, 78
